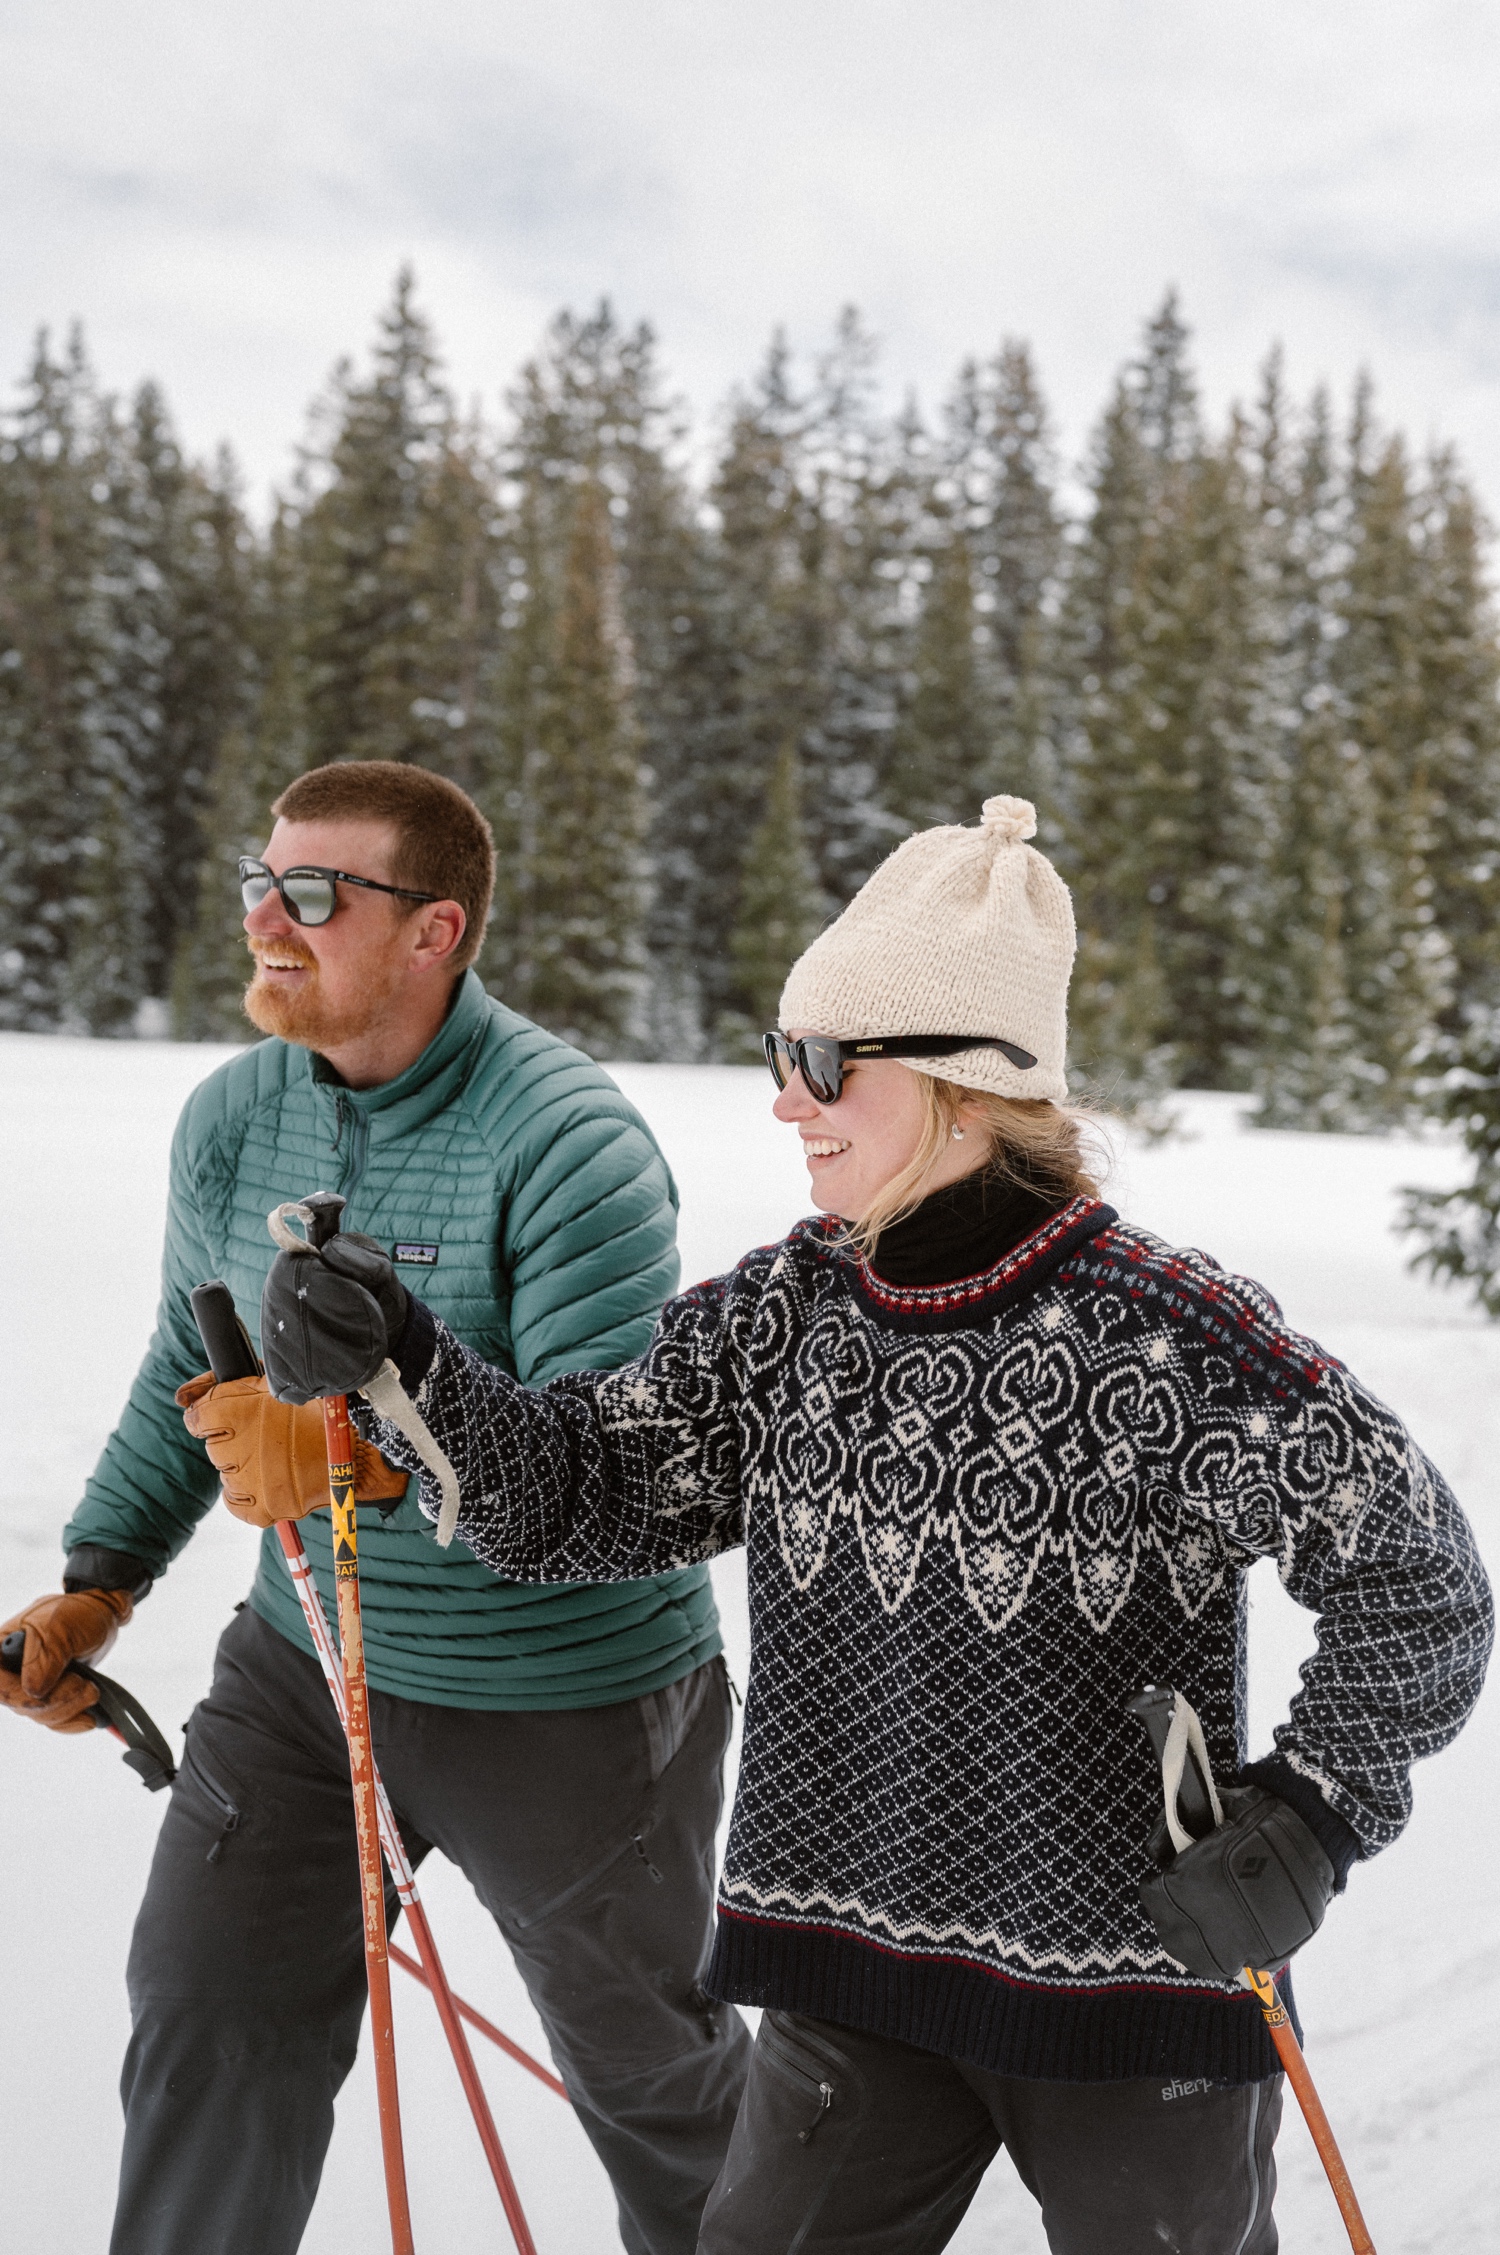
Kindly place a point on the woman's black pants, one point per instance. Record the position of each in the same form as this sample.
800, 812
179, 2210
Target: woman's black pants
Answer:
848, 2144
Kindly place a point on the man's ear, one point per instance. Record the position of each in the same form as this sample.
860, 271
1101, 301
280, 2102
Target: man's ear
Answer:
439, 935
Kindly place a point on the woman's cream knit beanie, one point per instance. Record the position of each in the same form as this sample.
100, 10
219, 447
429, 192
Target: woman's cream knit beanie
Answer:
959, 932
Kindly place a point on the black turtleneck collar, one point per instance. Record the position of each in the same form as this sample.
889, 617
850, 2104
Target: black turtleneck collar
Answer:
961, 1230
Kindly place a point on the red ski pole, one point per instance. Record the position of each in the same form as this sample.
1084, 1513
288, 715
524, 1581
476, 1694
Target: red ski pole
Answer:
452, 2011
497, 2036
231, 1355
398, 1863
339, 1439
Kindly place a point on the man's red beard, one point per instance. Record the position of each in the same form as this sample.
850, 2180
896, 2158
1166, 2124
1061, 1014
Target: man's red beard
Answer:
303, 1014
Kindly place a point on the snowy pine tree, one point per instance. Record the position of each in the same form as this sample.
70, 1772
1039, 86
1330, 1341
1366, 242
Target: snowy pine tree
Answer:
781, 910
566, 944
1305, 1068
976, 710
1160, 642
590, 407
73, 721
257, 757
396, 531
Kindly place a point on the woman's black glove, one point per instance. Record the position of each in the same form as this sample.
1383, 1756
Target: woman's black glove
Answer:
329, 1319
1249, 1893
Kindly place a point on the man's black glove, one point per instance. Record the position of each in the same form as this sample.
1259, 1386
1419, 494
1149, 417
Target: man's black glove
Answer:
329, 1319
1249, 1893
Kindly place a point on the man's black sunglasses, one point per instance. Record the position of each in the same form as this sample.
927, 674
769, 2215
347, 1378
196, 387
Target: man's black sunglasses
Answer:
821, 1060
309, 896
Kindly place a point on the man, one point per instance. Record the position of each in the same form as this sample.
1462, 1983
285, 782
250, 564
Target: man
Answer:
561, 1745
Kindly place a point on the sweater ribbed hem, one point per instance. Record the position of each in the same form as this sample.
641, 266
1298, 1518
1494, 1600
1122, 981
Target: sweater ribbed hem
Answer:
1133, 2031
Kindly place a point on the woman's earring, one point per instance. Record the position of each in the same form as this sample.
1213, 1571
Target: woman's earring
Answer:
958, 1134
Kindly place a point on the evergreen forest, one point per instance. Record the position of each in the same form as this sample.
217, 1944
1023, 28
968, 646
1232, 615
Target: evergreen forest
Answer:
1248, 671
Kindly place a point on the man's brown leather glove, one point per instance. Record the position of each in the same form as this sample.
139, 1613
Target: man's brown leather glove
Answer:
79, 1625
271, 1455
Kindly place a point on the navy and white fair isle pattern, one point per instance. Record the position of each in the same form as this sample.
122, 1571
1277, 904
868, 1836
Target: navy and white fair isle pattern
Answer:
979, 1516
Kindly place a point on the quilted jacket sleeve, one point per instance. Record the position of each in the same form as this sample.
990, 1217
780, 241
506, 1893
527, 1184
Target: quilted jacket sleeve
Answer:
154, 1482
600, 1475
589, 1239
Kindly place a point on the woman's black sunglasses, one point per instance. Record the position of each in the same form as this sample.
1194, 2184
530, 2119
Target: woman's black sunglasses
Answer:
309, 896
821, 1060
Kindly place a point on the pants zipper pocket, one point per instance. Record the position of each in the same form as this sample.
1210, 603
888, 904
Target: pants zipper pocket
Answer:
638, 1842
230, 1813
825, 2101
820, 2092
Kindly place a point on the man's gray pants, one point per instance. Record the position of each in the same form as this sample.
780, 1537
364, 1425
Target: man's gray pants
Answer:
589, 1837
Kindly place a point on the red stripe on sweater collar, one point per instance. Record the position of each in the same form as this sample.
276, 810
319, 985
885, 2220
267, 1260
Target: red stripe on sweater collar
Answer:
1011, 1269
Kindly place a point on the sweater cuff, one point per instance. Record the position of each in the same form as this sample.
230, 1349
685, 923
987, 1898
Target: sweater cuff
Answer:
1338, 1840
412, 1353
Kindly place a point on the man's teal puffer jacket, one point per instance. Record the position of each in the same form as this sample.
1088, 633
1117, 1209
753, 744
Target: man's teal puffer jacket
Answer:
552, 1218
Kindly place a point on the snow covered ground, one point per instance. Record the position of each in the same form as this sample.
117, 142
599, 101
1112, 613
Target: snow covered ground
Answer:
1401, 1992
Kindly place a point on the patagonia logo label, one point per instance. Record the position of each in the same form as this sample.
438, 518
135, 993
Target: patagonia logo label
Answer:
415, 1256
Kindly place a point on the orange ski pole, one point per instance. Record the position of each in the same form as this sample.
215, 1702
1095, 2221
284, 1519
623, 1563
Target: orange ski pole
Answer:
1289, 2051
231, 1355
397, 1861
1170, 1722
427, 1966
340, 1444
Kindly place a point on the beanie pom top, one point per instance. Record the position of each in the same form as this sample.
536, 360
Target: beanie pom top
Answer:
1008, 821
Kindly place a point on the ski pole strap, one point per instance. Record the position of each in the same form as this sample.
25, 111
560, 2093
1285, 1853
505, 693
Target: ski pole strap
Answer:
1185, 1736
389, 1399
146, 1751
384, 1392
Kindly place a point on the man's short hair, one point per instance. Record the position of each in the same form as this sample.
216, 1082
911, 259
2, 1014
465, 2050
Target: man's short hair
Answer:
443, 843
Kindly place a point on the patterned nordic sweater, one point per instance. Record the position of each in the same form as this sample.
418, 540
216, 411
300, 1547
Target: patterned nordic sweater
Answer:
979, 1516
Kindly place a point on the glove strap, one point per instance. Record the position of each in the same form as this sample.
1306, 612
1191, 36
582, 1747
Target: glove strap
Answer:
1183, 1733
389, 1398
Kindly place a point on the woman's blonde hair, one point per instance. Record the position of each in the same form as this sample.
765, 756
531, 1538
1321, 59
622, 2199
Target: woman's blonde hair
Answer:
1036, 1145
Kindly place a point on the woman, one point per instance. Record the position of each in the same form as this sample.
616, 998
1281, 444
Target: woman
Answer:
999, 1461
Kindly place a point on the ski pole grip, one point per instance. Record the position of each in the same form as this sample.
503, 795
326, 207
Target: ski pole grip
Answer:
1154, 1707
226, 1342
322, 1209
13, 1653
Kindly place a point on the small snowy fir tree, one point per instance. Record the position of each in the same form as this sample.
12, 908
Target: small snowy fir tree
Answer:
780, 911
943, 756
397, 523
590, 406
1159, 641
256, 758
1458, 1231
572, 899
70, 731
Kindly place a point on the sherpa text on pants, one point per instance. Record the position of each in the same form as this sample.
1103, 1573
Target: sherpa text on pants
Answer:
247, 1979
849, 2144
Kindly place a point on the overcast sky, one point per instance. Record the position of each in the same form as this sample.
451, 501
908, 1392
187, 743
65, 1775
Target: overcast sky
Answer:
222, 189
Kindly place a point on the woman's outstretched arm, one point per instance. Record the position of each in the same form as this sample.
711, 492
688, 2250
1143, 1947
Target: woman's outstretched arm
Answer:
598, 1476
